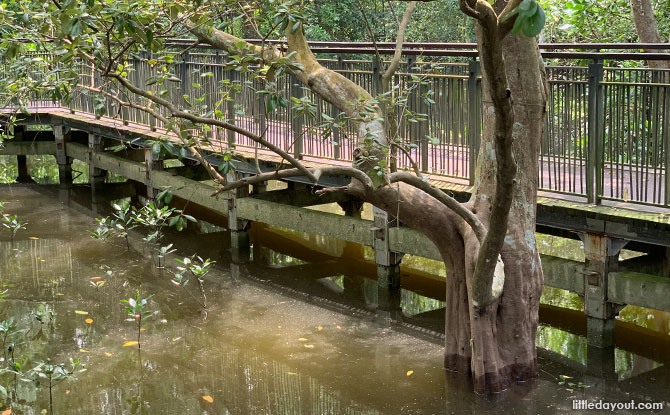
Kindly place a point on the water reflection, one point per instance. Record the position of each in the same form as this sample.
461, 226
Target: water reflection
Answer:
262, 348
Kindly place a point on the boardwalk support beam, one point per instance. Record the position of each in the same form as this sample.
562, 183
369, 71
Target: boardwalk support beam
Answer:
388, 269
62, 136
152, 163
21, 160
239, 228
602, 258
95, 146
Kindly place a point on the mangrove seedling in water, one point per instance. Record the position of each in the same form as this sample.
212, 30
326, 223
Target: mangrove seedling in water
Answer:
7, 327
124, 221
104, 229
53, 375
13, 224
191, 268
164, 251
136, 313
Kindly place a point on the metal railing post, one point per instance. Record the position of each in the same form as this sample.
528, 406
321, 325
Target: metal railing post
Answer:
296, 122
666, 142
336, 137
230, 110
595, 156
474, 117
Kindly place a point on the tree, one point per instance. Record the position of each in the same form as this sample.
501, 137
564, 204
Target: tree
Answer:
494, 277
647, 28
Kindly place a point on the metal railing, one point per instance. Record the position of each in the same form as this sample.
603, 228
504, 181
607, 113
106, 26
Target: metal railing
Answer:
607, 129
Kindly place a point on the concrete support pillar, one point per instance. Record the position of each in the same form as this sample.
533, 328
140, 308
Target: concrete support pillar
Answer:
95, 145
62, 136
21, 161
388, 270
602, 257
239, 228
352, 207
152, 163
259, 188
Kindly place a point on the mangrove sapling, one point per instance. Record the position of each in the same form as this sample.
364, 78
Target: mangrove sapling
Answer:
124, 221
156, 219
164, 251
13, 224
53, 375
192, 269
136, 313
7, 327
104, 229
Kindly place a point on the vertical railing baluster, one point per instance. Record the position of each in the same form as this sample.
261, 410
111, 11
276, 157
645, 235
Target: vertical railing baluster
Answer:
594, 164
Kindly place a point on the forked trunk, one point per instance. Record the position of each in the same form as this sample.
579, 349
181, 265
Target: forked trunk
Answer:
496, 344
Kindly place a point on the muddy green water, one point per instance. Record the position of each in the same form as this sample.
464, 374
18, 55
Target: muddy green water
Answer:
282, 334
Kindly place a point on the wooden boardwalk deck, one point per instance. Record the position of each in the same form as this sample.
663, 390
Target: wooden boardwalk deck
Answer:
631, 221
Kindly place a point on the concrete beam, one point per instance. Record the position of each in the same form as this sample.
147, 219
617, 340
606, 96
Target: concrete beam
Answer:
27, 148
638, 289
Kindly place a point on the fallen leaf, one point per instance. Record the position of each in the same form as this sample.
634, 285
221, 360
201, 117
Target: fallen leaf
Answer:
34, 238
292, 373
309, 346
338, 327
43, 260
89, 321
60, 294
83, 313
6, 412
128, 344
208, 398
302, 339
83, 351
95, 278
67, 392
320, 328
108, 354
409, 372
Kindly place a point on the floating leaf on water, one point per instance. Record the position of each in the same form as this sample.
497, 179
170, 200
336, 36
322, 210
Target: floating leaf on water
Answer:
95, 278
89, 321
208, 398
34, 238
338, 327
67, 392
309, 346
83, 313
108, 354
292, 373
59, 294
409, 372
320, 328
6, 412
128, 344
83, 351
302, 339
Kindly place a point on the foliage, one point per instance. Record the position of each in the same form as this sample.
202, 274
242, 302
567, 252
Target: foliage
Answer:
193, 267
594, 21
136, 312
13, 224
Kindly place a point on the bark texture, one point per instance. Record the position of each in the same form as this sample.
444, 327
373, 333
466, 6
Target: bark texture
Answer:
647, 28
496, 344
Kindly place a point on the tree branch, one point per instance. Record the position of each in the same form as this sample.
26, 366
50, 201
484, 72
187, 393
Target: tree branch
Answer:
458, 208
